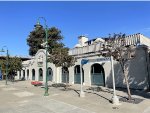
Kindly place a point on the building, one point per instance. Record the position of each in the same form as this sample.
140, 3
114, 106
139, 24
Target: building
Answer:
95, 73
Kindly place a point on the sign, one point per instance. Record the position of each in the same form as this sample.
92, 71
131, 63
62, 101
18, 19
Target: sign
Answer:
105, 59
84, 61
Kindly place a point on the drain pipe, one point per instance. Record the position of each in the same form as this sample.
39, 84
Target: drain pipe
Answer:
147, 65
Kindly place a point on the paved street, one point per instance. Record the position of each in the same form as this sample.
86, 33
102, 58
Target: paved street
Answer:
22, 97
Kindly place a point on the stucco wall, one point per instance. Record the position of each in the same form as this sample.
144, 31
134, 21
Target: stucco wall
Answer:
138, 71
137, 74
33, 64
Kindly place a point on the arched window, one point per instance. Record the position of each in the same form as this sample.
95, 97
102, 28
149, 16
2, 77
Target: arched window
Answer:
19, 74
33, 74
77, 76
97, 75
50, 74
24, 74
40, 74
27, 74
65, 75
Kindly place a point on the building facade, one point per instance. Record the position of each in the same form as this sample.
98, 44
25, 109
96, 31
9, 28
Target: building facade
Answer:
95, 73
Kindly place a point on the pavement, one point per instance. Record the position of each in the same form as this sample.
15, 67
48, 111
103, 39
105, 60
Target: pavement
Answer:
22, 97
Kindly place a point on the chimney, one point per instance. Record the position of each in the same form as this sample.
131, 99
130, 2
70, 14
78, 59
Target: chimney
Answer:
82, 39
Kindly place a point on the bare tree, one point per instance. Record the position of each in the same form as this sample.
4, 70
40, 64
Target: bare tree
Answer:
116, 47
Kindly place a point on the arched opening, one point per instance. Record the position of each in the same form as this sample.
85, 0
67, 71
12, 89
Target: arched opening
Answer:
23, 74
0, 73
97, 75
19, 74
65, 75
77, 76
40, 74
33, 74
27, 74
50, 74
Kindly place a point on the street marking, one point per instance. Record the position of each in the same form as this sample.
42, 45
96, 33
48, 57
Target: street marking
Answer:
23, 94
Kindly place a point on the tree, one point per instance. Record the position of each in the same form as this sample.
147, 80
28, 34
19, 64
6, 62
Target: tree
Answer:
14, 65
37, 37
60, 57
123, 54
57, 50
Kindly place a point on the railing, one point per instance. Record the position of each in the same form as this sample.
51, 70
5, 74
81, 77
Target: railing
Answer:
96, 47
86, 49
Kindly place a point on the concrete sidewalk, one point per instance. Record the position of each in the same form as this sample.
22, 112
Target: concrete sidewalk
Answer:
22, 97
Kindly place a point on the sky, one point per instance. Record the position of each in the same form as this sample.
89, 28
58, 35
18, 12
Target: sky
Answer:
92, 19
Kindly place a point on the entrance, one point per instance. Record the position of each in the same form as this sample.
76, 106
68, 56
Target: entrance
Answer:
23, 74
65, 75
40, 74
33, 74
97, 75
77, 75
50, 74
27, 74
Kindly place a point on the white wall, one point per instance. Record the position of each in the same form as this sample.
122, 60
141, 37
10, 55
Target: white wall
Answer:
138, 75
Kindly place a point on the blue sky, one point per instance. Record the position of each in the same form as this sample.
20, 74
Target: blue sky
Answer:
93, 19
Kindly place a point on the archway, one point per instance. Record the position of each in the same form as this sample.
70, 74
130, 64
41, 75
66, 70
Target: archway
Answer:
65, 75
33, 74
77, 75
97, 75
23, 74
27, 74
40, 74
50, 74
19, 74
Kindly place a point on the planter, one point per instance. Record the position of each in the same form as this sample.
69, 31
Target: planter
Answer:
36, 83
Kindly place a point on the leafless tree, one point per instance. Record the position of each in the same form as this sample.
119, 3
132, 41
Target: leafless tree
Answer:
116, 47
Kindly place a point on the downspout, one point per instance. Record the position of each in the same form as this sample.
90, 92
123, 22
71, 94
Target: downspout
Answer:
147, 63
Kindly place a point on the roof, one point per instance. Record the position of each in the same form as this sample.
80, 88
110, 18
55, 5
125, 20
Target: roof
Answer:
22, 58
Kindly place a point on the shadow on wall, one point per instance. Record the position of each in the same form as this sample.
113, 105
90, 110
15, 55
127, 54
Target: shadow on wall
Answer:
137, 75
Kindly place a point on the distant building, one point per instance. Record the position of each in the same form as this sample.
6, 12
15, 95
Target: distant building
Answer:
96, 73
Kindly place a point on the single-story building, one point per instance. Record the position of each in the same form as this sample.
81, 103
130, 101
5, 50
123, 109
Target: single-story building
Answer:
94, 73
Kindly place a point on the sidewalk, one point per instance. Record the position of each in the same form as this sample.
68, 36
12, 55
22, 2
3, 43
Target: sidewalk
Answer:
22, 97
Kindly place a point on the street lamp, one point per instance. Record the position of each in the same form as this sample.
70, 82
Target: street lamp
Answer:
6, 61
46, 48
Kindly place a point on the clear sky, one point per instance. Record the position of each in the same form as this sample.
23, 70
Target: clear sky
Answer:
93, 19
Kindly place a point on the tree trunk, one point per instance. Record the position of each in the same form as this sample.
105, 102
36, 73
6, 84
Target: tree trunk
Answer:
125, 70
127, 83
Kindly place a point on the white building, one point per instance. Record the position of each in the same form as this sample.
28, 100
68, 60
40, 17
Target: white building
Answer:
96, 73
